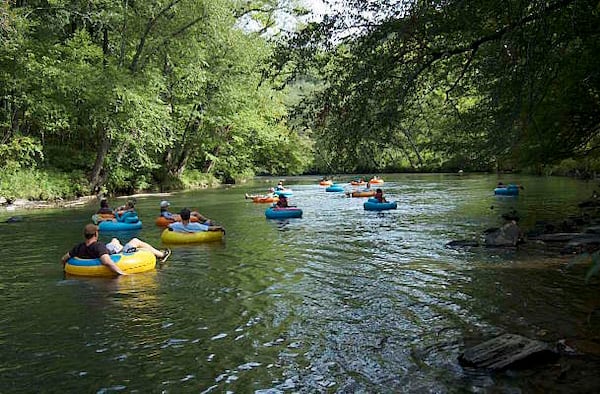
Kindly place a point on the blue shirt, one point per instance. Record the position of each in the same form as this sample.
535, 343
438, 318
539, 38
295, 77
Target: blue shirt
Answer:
192, 227
167, 215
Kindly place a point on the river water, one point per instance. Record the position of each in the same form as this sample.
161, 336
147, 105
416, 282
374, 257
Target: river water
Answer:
340, 301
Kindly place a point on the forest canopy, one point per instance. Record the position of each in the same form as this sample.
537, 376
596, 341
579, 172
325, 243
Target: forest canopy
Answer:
453, 84
130, 94
120, 96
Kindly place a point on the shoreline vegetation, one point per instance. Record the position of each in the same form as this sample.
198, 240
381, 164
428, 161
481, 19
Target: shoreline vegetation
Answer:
54, 192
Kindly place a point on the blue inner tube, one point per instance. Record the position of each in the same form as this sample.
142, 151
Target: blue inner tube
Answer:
283, 213
113, 226
373, 205
510, 190
128, 217
286, 193
334, 188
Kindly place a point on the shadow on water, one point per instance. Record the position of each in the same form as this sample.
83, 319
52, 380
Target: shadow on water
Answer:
341, 300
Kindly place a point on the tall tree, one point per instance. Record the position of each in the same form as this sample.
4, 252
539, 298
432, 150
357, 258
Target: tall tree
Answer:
517, 80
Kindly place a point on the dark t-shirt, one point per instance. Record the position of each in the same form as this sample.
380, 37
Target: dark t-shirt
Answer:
93, 251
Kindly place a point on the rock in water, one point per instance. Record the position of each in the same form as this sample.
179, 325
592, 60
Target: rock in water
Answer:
508, 350
507, 235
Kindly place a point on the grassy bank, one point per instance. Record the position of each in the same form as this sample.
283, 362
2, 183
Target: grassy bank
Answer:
53, 185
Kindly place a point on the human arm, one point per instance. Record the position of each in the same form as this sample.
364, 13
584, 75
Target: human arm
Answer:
106, 260
64, 259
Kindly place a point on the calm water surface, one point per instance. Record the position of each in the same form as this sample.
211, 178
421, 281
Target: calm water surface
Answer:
342, 300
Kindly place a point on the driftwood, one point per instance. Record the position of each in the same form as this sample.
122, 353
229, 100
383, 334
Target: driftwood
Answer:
508, 350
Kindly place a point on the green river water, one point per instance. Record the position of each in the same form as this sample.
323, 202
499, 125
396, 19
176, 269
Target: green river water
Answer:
340, 301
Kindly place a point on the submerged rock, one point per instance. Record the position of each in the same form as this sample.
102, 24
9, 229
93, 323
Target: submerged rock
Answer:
462, 243
582, 243
508, 350
14, 219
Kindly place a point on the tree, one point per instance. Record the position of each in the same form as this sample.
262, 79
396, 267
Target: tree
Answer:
518, 80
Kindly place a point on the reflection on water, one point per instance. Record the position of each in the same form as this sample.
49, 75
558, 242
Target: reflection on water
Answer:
342, 300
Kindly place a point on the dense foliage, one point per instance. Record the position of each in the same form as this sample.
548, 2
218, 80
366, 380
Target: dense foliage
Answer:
135, 93
128, 95
453, 84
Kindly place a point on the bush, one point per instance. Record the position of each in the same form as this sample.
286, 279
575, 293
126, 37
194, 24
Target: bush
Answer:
193, 179
36, 184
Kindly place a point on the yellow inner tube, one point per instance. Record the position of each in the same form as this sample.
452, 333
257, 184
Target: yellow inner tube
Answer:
174, 237
131, 263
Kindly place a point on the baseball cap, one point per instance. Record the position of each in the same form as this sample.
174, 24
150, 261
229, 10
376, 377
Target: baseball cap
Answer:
164, 204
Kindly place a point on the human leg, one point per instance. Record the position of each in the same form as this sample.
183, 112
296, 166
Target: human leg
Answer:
114, 246
139, 244
201, 218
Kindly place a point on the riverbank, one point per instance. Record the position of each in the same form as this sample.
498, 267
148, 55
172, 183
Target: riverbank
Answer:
23, 204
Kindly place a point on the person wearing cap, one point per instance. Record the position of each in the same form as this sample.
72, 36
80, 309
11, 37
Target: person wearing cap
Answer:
164, 212
91, 248
185, 226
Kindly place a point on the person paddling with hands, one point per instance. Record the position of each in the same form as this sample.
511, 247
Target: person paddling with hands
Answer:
91, 248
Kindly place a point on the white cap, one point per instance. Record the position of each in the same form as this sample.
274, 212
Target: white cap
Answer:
164, 204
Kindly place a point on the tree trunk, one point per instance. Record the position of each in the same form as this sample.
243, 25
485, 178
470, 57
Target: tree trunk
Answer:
97, 178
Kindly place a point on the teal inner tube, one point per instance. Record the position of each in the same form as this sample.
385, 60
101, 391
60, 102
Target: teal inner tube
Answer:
119, 226
283, 213
287, 193
373, 205
334, 188
510, 190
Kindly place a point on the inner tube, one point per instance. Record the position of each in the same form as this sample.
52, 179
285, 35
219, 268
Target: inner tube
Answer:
128, 217
335, 188
174, 237
374, 205
118, 226
510, 190
286, 192
265, 199
130, 263
162, 221
364, 193
283, 213
100, 217
376, 181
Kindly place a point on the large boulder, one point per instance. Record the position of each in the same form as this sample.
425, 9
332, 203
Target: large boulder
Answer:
507, 235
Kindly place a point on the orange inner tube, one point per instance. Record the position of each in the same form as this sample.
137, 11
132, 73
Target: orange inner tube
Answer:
370, 193
265, 199
376, 181
162, 221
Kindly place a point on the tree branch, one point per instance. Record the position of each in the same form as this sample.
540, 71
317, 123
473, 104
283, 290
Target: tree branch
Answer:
498, 34
149, 27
